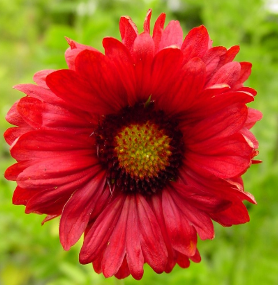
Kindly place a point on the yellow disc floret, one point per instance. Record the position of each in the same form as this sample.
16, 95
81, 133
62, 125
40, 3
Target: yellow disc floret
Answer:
143, 150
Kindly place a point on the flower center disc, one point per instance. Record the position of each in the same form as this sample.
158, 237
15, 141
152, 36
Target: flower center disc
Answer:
140, 148
143, 150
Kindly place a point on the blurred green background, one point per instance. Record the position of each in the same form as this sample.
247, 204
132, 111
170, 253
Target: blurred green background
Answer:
32, 38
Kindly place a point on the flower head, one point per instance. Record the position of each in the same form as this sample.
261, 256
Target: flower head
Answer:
139, 148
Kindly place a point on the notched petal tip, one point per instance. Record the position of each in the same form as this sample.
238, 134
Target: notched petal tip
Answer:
49, 218
39, 77
147, 21
231, 53
172, 35
196, 258
128, 31
158, 29
251, 198
18, 87
71, 43
256, 161
235, 48
196, 43
202, 30
127, 25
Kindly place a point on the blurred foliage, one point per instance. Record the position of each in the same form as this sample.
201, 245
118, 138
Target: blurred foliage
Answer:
32, 38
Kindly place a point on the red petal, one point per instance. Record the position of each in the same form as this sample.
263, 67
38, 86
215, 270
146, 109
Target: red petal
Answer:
77, 92
13, 116
37, 145
39, 115
14, 170
212, 59
53, 207
147, 21
230, 189
253, 116
46, 116
102, 202
22, 196
78, 209
196, 43
120, 56
165, 70
182, 260
224, 158
123, 271
200, 199
153, 246
115, 250
216, 101
143, 52
230, 55
99, 72
51, 172
53, 200
128, 31
182, 235
216, 57
248, 90
73, 51
172, 35
54, 105
31, 115
198, 218
158, 30
229, 74
40, 77
40, 93
49, 218
157, 208
245, 71
134, 255
250, 138
98, 235
196, 258
190, 89
224, 123
97, 264
12, 134
234, 215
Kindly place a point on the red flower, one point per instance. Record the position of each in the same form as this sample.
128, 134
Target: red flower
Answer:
139, 148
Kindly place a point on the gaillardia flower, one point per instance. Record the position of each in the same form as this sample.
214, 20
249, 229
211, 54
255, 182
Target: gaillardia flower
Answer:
139, 148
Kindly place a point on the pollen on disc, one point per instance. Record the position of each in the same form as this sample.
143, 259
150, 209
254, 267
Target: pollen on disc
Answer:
143, 150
